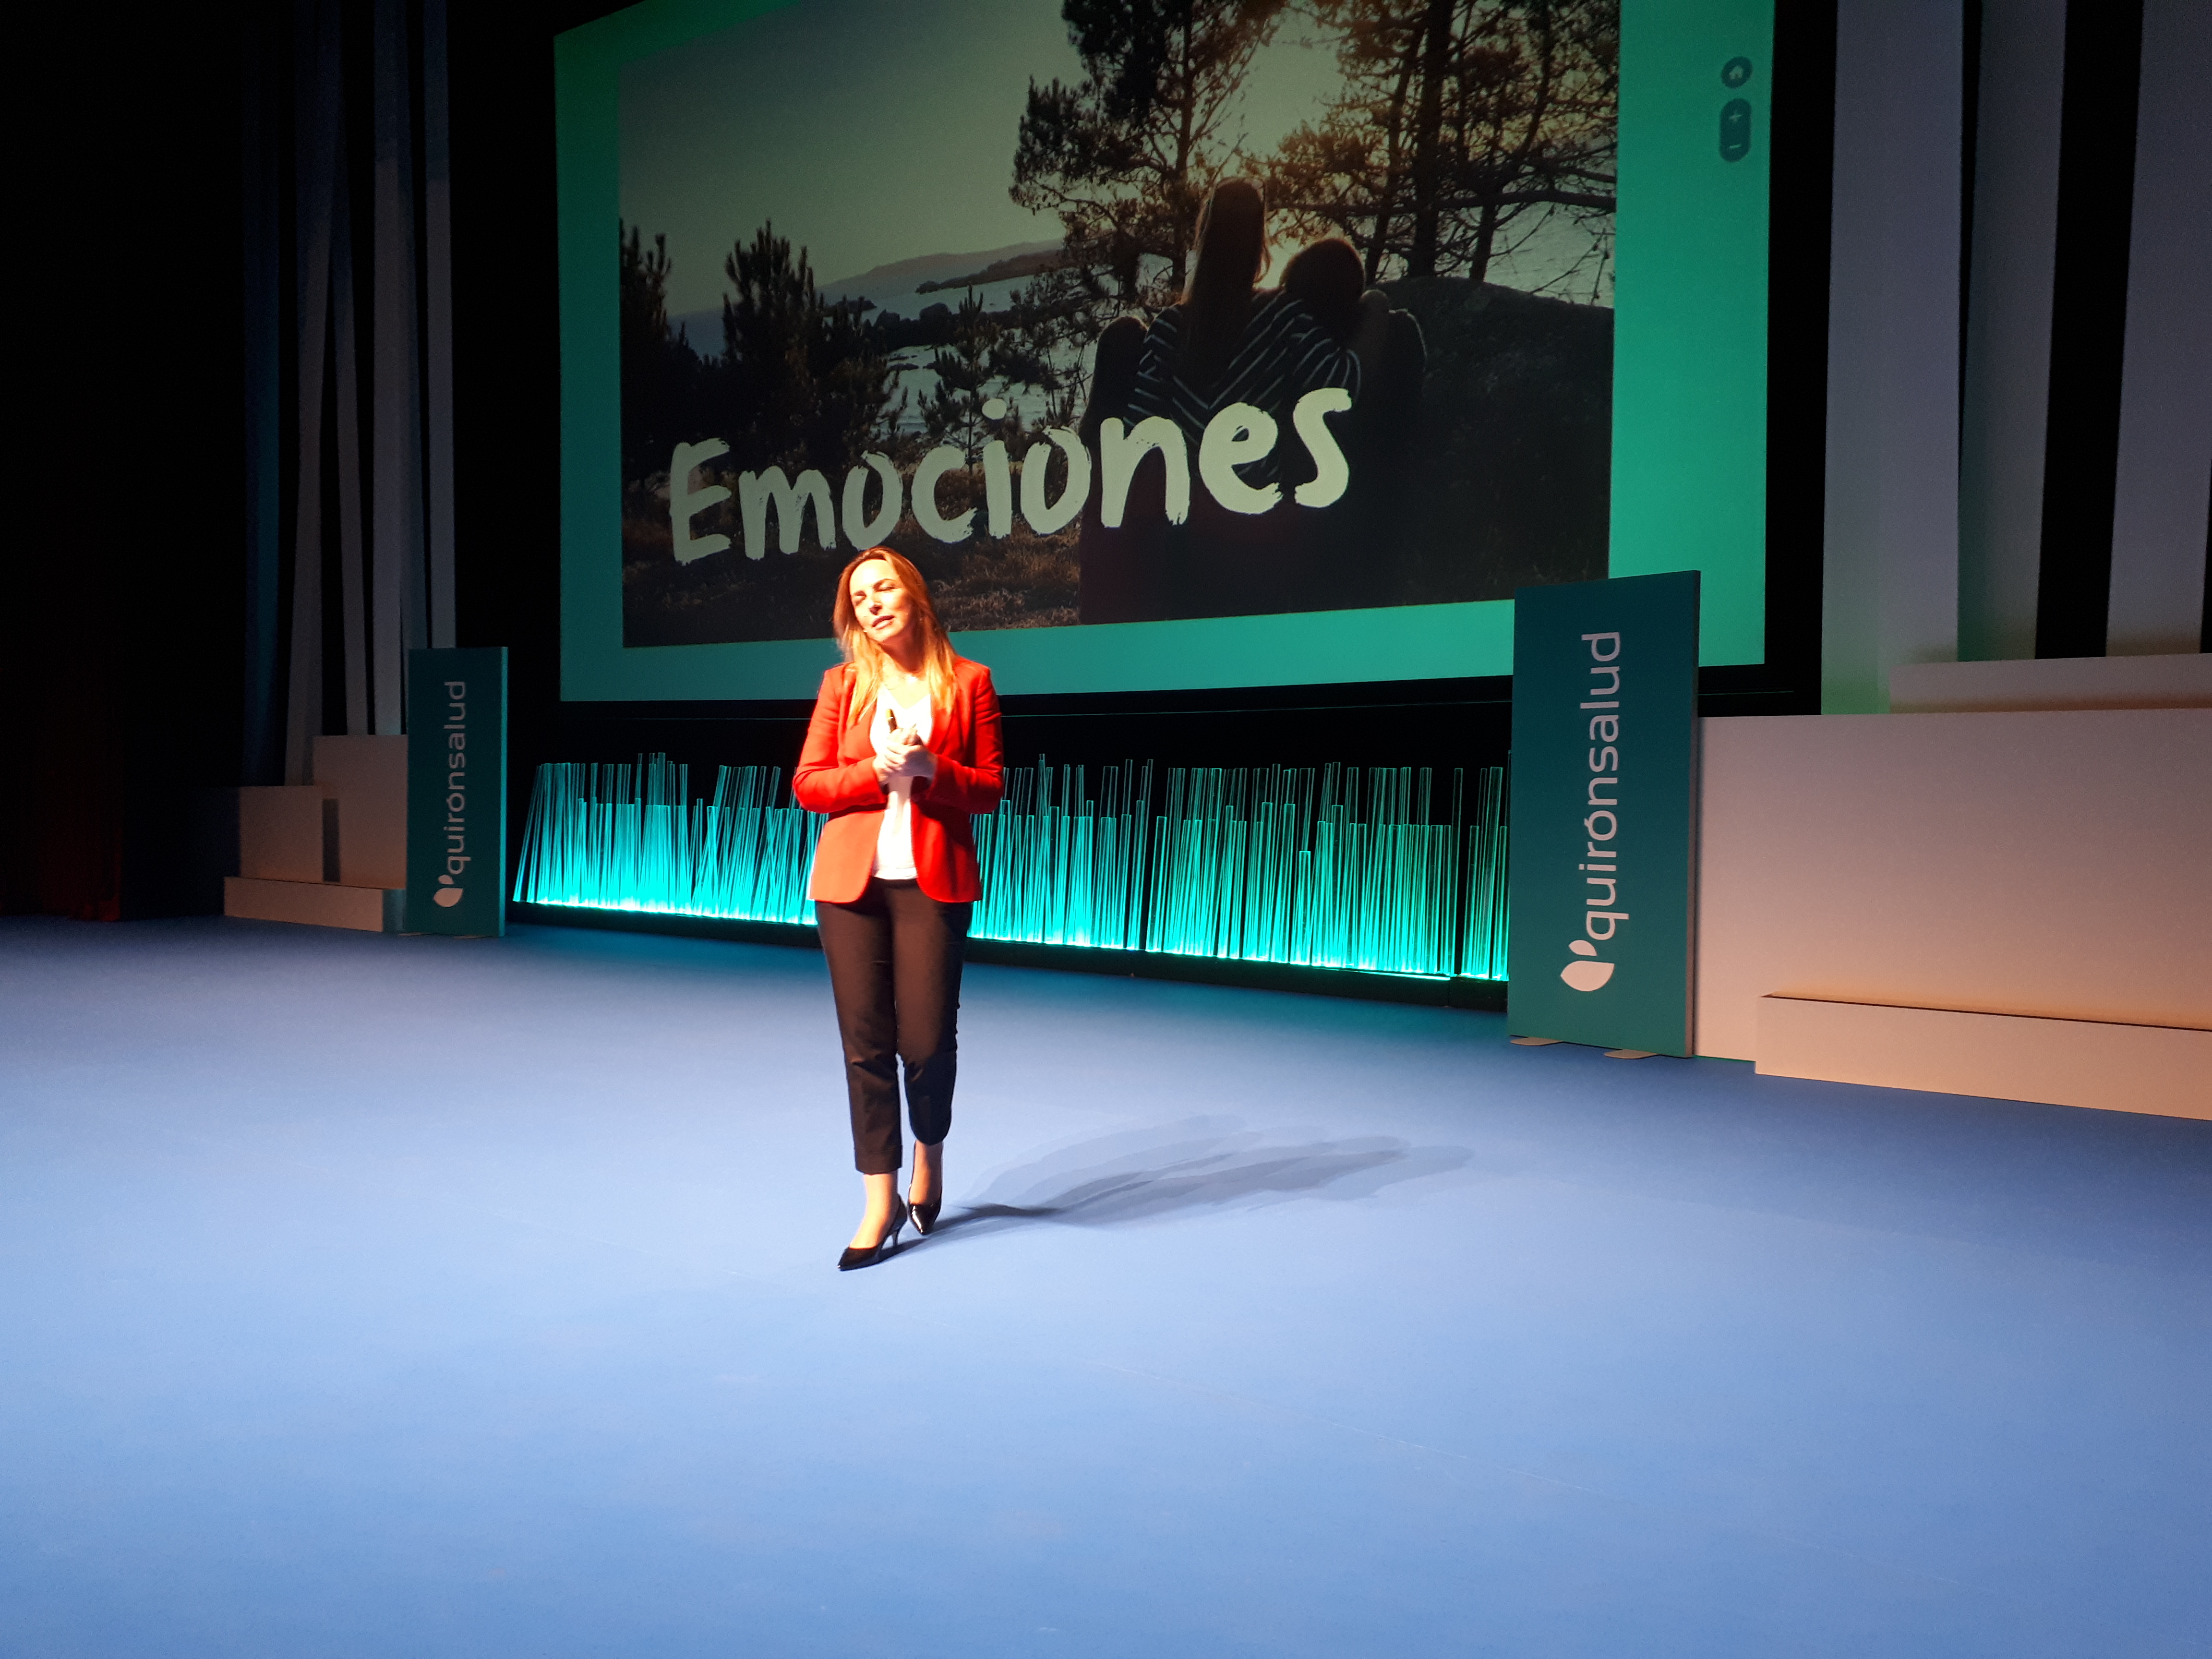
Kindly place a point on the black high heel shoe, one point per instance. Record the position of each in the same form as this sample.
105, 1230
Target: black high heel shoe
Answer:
925, 1215
883, 1247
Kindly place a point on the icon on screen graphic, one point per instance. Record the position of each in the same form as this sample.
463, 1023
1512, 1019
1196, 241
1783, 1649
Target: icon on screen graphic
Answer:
1736, 72
1735, 129
1585, 975
447, 894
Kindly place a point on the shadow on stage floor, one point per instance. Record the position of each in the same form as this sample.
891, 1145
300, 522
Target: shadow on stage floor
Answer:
1201, 1163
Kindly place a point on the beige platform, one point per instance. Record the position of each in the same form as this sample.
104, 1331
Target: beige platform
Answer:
318, 903
2039, 869
332, 853
368, 779
287, 832
2063, 1062
2052, 682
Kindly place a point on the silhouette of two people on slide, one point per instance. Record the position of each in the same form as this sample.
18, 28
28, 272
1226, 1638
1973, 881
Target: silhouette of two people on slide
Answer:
1228, 341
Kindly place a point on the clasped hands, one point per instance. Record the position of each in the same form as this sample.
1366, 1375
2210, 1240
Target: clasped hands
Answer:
909, 758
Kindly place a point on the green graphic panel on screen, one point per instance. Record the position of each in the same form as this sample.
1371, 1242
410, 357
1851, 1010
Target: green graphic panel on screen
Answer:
1689, 375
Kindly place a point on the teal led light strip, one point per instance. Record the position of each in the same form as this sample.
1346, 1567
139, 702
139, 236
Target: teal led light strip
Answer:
1060, 866
1321, 867
628, 838
1482, 940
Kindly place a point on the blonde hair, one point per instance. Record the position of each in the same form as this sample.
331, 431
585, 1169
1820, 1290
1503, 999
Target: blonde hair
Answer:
865, 657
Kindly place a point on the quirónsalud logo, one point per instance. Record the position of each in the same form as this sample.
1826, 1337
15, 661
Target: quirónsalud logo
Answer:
1585, 975
1600, 851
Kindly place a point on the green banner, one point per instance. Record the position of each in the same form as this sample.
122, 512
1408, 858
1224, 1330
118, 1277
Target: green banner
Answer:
1603, 826
457, 791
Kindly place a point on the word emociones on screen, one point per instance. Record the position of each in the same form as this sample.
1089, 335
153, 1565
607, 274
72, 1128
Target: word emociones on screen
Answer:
1238, 436
1588, 972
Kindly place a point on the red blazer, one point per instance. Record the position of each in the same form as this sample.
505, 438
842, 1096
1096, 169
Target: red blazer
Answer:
837, 776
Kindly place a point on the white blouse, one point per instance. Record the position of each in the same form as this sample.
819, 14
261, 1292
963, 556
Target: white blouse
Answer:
895, 840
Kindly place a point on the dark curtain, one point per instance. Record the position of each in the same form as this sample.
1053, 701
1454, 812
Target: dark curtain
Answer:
349, 404
247, 215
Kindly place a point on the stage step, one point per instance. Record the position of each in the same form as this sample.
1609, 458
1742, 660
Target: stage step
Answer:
318, 903
288, 832
367, 777
2064, 1063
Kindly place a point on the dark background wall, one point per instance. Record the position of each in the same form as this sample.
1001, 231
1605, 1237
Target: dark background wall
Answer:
121, 615
123, 619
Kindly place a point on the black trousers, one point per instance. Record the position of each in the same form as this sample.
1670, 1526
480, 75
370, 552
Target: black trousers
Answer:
894, 956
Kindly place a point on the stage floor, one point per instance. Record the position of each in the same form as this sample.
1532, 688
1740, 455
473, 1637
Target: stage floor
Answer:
365, 1296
